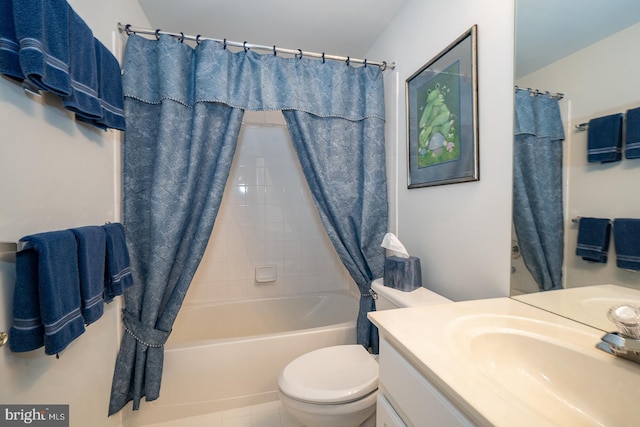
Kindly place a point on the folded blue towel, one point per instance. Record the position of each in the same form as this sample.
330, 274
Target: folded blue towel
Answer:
593, 239
83, 70
109, 90
9, 47
42, 31
92, 250
46, 302
626, 236
118, 270
632, 140
605, 139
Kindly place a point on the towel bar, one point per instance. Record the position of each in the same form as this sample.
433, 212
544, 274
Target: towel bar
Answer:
12, 246
584, 126
576, 220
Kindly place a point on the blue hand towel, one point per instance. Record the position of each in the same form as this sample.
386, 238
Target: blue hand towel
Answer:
47, 294
42, 30
626, 236
92, 250
83, 70
593, 239
605, 139
109, 90
9, 47
632, 140
118, 271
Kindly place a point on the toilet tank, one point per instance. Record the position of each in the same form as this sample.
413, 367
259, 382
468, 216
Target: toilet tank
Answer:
389, 298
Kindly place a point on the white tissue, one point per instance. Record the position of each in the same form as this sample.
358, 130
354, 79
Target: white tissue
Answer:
391, 242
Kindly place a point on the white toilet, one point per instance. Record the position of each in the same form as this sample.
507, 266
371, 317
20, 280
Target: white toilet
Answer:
337, 386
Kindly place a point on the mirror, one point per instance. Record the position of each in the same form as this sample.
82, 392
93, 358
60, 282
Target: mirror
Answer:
588, 51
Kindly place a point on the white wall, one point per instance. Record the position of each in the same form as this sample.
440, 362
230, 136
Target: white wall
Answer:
267, 217
598, 80
461, 232
56, 174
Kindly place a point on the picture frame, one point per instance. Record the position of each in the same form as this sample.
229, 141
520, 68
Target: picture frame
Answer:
442, 117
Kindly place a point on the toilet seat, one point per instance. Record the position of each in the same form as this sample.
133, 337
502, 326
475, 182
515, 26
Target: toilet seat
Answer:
330, 375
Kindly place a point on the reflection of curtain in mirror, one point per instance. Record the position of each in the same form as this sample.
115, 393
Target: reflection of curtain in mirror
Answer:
537, 186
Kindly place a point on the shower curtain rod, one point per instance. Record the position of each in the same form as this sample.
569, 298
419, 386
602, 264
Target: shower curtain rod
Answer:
128, 29
536, 92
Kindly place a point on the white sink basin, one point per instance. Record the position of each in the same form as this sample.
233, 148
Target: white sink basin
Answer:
547, 367
505, 363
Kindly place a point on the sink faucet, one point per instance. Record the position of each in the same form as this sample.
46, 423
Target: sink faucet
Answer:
626, 341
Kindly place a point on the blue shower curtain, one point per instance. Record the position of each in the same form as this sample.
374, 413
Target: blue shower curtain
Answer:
343, 162
176, 158
537, 186
184, 108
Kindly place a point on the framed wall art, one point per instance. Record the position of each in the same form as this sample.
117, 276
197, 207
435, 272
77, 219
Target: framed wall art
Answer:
442, 117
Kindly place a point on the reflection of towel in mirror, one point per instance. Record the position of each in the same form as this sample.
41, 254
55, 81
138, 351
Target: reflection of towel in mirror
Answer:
626, 232
632, 140
605, 139
46, 302
593, 239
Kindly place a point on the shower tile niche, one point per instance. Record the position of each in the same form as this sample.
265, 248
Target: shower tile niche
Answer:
267, 216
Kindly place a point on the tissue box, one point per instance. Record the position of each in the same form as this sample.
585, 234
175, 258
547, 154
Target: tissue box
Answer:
403, 274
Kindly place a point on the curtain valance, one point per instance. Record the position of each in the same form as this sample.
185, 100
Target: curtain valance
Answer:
531, 114
259, 82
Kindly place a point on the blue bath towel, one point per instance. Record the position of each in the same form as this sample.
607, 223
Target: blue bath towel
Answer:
92, 250
46, 302
632, 139
83, 70
626, 236
42, 31
593, 239
118, 270
109, 90
9, 47
605, 139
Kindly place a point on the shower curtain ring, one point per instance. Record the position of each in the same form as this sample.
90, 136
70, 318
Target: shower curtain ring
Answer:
300, 51
158, 34
274, 51
323, 57
244, 45
224, 44
384, 66
365, 62
181, 37
348, 60
198, 39
127, 29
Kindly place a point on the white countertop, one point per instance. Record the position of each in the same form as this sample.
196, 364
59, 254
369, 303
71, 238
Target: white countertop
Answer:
435, 339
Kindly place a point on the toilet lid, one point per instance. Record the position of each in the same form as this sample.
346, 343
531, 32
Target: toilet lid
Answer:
338, 374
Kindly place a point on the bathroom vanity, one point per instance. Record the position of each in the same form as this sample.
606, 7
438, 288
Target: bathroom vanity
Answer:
498, 362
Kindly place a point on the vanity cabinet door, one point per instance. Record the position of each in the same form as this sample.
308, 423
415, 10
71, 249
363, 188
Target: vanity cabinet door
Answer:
413, 397
386, 416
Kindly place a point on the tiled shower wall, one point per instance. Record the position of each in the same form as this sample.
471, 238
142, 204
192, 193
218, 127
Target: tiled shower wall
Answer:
267, 217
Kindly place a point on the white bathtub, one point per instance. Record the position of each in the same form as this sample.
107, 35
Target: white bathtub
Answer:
227, 355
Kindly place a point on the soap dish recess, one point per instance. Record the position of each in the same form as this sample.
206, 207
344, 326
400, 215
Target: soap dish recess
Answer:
266, 273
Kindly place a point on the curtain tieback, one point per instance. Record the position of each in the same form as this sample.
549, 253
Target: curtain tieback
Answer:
143, 334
